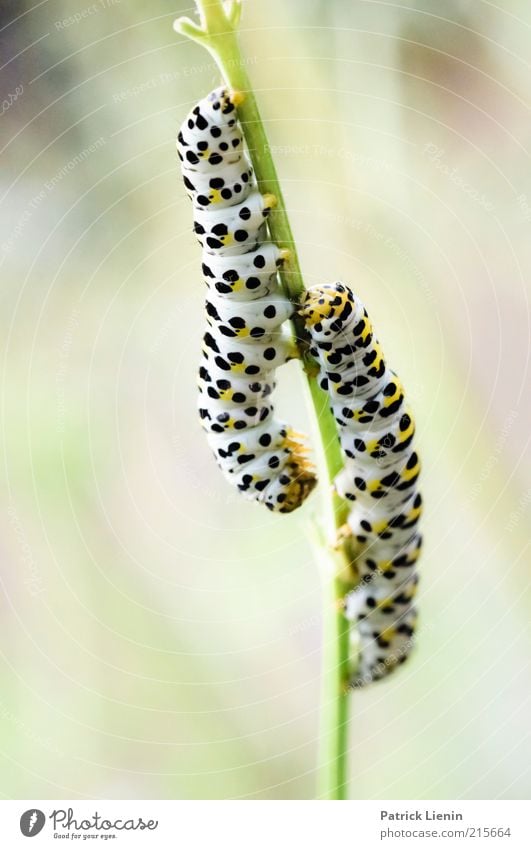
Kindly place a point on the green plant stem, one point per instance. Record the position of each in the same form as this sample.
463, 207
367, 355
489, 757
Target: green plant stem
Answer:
218, 35
333, 778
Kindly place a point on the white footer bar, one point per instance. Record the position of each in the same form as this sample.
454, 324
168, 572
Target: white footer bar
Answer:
265, 824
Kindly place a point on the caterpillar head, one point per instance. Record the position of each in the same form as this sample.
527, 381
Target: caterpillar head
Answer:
324, 307
297, 479
293, 486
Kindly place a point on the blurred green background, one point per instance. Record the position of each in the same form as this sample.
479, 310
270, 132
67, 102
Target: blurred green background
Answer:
160, 636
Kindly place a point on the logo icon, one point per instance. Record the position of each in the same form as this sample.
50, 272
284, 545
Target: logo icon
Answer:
32, 822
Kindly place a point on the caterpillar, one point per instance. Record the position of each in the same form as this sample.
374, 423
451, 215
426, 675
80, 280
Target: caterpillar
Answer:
247, 336
380, 475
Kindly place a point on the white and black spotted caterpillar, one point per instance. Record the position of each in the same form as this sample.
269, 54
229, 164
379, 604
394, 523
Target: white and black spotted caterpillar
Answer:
246, 311
380, 475
247, 340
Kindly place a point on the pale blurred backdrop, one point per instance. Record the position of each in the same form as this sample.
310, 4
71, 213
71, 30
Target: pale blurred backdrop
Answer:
160, 636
